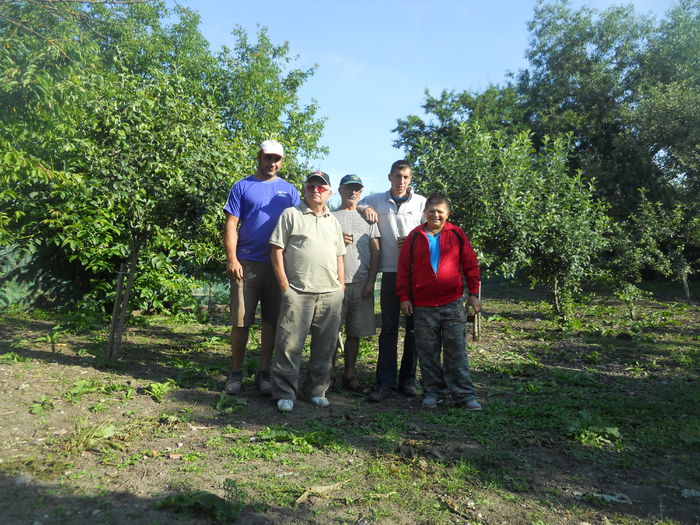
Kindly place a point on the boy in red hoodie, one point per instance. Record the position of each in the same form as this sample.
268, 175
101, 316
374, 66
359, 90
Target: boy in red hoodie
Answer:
433, 263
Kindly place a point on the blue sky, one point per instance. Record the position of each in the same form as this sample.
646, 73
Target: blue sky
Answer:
376, 58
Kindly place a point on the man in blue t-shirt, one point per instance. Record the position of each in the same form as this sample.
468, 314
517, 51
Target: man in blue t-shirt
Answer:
253, 207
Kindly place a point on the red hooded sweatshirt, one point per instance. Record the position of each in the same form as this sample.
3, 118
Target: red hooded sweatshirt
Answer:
417, 282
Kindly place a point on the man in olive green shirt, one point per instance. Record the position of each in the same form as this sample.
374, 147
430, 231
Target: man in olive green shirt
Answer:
307, 258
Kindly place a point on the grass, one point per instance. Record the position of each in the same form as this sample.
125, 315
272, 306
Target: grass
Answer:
572, 419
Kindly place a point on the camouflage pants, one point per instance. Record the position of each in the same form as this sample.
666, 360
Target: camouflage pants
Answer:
443, 329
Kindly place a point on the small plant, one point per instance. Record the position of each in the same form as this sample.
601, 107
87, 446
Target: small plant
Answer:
98, 407
87, 437
594, 357
228, 404
630, 295
41, 407
201, 504
637, 369
233, 493
54, 337
588, 433
82, 388
158, 390
13, 358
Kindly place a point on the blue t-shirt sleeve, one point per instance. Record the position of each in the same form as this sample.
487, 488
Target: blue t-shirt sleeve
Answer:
295, 196
233, 204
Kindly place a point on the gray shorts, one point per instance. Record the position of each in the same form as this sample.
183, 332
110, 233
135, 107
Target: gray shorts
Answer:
258, 284
358, 312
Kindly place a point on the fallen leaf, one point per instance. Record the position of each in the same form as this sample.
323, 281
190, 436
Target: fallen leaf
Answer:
319, 490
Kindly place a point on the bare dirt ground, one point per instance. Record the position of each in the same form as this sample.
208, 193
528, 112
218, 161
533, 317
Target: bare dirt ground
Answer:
86, 440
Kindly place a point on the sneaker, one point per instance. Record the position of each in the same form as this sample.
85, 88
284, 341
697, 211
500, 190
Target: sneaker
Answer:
379, 394
320, 402
262, 381
472, 404
431, 401
408, 388
234, 382
285, 405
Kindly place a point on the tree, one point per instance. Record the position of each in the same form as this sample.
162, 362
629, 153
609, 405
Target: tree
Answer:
523, 209
624, 89
130, 158
582, 79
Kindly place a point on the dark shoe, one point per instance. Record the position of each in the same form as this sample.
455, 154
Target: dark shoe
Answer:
408, 388
262, 381
234, 382
472, 404
379, 394
352, 384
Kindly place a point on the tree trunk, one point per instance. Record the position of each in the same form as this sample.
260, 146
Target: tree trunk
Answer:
118, 323
115, 312
686, 288
557, 297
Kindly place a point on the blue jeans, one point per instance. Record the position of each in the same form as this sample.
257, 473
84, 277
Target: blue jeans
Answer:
389, 336
442, 330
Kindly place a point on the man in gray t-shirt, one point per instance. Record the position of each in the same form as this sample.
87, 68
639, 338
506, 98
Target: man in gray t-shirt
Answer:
361, 262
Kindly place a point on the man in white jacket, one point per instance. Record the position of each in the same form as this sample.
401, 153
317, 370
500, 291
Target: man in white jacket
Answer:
397, 212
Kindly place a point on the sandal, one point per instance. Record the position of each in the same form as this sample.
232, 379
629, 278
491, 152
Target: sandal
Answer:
352, 384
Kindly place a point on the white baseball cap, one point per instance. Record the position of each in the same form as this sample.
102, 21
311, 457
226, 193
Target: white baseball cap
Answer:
272, 147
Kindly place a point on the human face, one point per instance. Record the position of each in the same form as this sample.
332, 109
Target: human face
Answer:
316, 192
350, 194
400, 179
268, 165
436, 215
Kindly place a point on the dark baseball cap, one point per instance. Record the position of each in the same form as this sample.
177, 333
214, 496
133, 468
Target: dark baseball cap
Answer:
319, 175
351, 179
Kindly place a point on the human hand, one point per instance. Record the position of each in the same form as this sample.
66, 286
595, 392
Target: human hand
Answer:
234, 269
370, 215
400, 241
348, 238
474, 302
406, 308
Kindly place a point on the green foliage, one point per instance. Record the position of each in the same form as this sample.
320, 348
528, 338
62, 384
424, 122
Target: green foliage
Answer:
522, 209
121, 133
197, 504
158, 390
585, 431
13, 358
41, 407
608, 104
227, 404
84, 387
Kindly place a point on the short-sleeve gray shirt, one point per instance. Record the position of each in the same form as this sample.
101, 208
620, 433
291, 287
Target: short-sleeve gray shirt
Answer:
357, 256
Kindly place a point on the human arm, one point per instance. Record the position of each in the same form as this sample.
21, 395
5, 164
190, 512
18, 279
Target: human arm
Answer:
341, 271
278, 267
403, 279
233, 266
470, 269
370, 215
373, 267
368, 211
